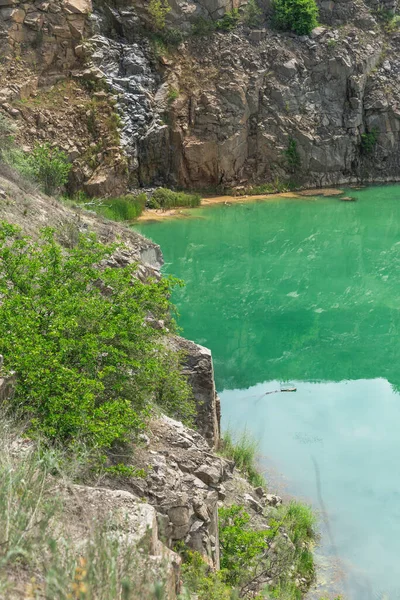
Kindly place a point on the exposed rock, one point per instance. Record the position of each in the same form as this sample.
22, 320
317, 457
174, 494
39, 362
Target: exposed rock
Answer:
183, 484
198, 367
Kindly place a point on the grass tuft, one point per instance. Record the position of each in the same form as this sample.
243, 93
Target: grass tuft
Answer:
165, 198
243, 451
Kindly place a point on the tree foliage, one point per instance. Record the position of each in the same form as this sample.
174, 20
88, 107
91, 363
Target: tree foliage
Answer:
300, 16
87, 360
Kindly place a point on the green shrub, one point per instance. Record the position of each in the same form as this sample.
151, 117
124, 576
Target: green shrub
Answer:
369, 140
159, 10
122, 208
292, 155
165, 198
48, 166
229, 21
199, 579
252, 15
87, 362
240, 546
243, 451
300, 16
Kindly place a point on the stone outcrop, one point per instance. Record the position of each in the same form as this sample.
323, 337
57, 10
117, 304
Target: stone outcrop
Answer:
198, 367
185, 481
244, 95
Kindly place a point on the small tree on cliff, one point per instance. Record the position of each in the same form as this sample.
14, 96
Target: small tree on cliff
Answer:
299, 16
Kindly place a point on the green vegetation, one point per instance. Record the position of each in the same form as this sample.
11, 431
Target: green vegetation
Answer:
49, 167
368, 141
173, 94
122, 208
89, 365
292, 155
252, 14
241, 547
229, 21
158, 10
165, 198
300, 16
246, 564
203, 27
243, 451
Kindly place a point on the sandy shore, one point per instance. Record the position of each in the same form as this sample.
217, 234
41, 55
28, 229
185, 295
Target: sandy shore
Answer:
159, 214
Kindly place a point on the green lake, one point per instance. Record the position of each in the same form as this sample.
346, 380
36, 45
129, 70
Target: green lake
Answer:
307, 291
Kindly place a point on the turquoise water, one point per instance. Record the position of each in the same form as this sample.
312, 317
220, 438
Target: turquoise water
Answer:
307, 291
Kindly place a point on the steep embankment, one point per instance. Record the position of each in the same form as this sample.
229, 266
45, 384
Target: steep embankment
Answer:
219, 109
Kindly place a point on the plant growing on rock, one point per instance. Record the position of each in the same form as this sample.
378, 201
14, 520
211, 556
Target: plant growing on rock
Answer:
369, 140
88, 363
292, 155
300, 16
229, 21
158, 10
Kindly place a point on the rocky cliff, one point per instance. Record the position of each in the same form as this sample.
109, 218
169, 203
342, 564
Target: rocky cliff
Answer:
206, 111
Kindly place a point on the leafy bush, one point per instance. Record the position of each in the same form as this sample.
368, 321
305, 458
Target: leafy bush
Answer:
202, 581
159, 10
173, 94
369, 140
252, 15
240, 545
300, 16
165, 198
243, 451
48, 166
87, 362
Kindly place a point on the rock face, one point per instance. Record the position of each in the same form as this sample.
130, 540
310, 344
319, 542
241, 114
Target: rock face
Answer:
243, 96
133, 521
198, 367
184, 483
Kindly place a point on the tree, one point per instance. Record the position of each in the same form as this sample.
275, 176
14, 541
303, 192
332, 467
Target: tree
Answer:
299, 16
87, 360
